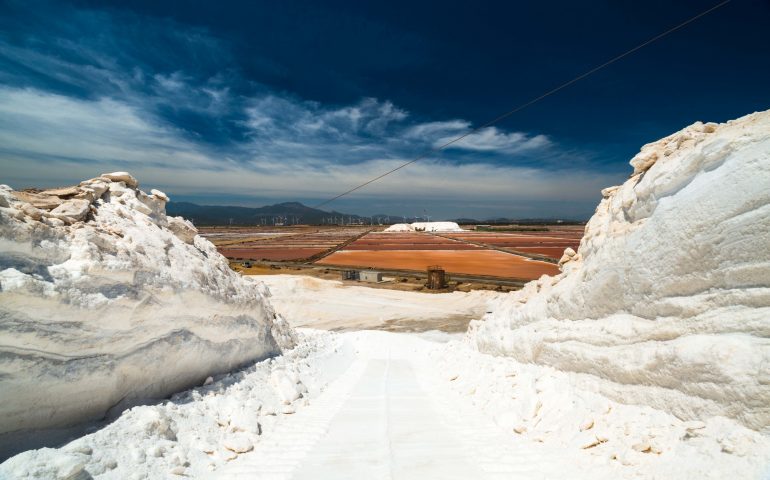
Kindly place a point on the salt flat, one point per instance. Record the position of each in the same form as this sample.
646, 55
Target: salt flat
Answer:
331, 305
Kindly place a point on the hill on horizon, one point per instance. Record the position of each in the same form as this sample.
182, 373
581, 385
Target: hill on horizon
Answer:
286, 213
296, 213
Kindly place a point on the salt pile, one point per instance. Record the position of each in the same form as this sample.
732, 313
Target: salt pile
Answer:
400, 227
425, 227
105, 301
666, 303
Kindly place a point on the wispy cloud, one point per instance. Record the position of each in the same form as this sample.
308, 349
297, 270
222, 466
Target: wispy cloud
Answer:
47, 128
491, 139
276, 115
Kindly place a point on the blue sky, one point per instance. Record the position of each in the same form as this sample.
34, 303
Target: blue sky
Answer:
249, 103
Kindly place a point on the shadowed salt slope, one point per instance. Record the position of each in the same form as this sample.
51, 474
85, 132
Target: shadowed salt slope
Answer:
105, 301
667, 301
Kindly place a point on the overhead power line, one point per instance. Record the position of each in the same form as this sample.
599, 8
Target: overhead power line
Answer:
527, 104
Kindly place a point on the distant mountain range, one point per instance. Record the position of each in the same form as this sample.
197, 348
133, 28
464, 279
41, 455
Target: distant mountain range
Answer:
295, 213
287, 213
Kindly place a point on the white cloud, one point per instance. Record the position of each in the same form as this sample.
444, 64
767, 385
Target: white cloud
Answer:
170, 83
282, 116
283, 129
51, 127
491, 139
432, 130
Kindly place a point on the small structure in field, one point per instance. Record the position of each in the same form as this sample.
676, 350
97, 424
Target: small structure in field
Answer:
370, 276
436, 278
350, 275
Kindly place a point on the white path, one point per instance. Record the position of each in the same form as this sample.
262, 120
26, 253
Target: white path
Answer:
387, 418
379, 405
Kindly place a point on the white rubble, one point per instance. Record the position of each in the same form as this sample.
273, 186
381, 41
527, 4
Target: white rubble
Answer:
106, 302
587, 434
425, 227
666, 303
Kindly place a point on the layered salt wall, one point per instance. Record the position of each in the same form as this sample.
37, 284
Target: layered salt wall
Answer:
107, 302
667, 301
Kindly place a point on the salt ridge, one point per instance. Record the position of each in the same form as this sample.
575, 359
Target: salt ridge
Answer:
108, 302
666, 303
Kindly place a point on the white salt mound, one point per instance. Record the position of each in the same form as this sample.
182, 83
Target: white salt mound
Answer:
105, 302
425, 227
400, 227
667, 301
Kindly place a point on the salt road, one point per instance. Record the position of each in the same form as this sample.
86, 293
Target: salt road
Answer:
388, 416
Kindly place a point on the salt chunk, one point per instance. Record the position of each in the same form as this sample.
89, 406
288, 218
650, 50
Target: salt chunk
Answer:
124, 177
178, 470
586, 424
73, 210
238, 443
160, 195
